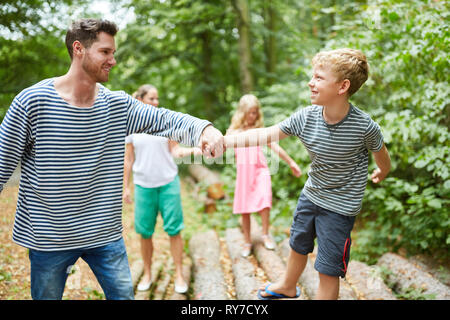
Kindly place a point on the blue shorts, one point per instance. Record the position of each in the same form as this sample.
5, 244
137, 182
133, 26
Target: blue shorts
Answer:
333, 236
50, 269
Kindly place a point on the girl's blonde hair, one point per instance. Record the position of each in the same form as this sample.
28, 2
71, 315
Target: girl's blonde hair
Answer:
246, 103
142, 91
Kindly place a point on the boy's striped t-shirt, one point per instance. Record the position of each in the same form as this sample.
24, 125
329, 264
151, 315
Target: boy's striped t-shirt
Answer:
339, 156
70, 193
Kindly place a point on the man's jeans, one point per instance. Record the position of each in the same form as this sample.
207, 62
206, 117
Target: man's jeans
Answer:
50, 269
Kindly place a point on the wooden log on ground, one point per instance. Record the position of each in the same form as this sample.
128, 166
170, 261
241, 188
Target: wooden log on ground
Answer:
209, 283
367, 282
246, 282
164, 280
160, 256
210, 178
136, 269
406, 276
269, 260
439, 270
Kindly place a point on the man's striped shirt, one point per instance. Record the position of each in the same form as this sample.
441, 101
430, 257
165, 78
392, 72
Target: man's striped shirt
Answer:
70, 193
339, 156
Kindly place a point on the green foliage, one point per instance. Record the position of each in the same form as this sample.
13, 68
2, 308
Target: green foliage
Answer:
408, 95
32, 44
189, 50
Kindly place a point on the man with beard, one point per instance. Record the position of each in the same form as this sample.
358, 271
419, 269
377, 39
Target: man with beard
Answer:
69, 132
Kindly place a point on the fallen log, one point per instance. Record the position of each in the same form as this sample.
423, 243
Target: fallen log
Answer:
429, 264
209, 282
164, 280
407, 276
269, 260
246, 282
367, 282
136, 269
210, 178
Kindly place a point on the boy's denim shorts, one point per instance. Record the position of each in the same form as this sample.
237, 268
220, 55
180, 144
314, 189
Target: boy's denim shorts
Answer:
333, 236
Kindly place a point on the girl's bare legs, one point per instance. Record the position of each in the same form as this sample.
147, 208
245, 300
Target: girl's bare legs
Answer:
287, 285
176, 249
147, 254
246, 227
246, 232
265, 221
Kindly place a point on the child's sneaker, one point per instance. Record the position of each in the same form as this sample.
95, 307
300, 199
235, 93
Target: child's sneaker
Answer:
268, 242
247, 250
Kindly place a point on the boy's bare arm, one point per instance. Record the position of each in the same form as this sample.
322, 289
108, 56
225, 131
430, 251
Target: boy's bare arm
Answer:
383, 161
255, 137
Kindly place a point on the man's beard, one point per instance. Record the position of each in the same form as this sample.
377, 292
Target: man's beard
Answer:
95, 72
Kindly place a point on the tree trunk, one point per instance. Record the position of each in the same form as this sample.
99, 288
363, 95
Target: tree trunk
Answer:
243, 22
208, 90
269, 41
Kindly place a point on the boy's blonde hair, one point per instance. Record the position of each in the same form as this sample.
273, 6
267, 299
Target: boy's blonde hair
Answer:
346, 63
246, 103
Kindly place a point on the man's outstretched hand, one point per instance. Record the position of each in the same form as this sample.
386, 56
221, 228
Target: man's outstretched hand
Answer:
212, 142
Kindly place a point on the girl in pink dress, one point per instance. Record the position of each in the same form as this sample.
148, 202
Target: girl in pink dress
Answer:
253, 190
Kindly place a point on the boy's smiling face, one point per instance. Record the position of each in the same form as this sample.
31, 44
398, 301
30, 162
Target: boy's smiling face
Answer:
324, 86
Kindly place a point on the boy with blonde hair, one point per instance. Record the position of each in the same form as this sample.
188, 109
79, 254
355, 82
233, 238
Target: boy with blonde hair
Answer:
337, 136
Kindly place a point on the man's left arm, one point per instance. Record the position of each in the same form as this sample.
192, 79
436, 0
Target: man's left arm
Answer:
176, 126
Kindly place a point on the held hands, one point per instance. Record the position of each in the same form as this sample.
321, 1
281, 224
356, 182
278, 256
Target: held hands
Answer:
196, 151
212, 142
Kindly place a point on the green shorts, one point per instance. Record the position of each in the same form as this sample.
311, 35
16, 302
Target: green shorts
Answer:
165, 199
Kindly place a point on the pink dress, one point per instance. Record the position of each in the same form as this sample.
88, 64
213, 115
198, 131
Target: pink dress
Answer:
253, 191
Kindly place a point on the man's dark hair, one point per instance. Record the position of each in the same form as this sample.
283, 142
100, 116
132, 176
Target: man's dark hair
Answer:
86, 31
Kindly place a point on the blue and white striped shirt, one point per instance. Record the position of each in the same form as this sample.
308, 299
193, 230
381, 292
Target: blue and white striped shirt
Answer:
339, 156
70, 193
